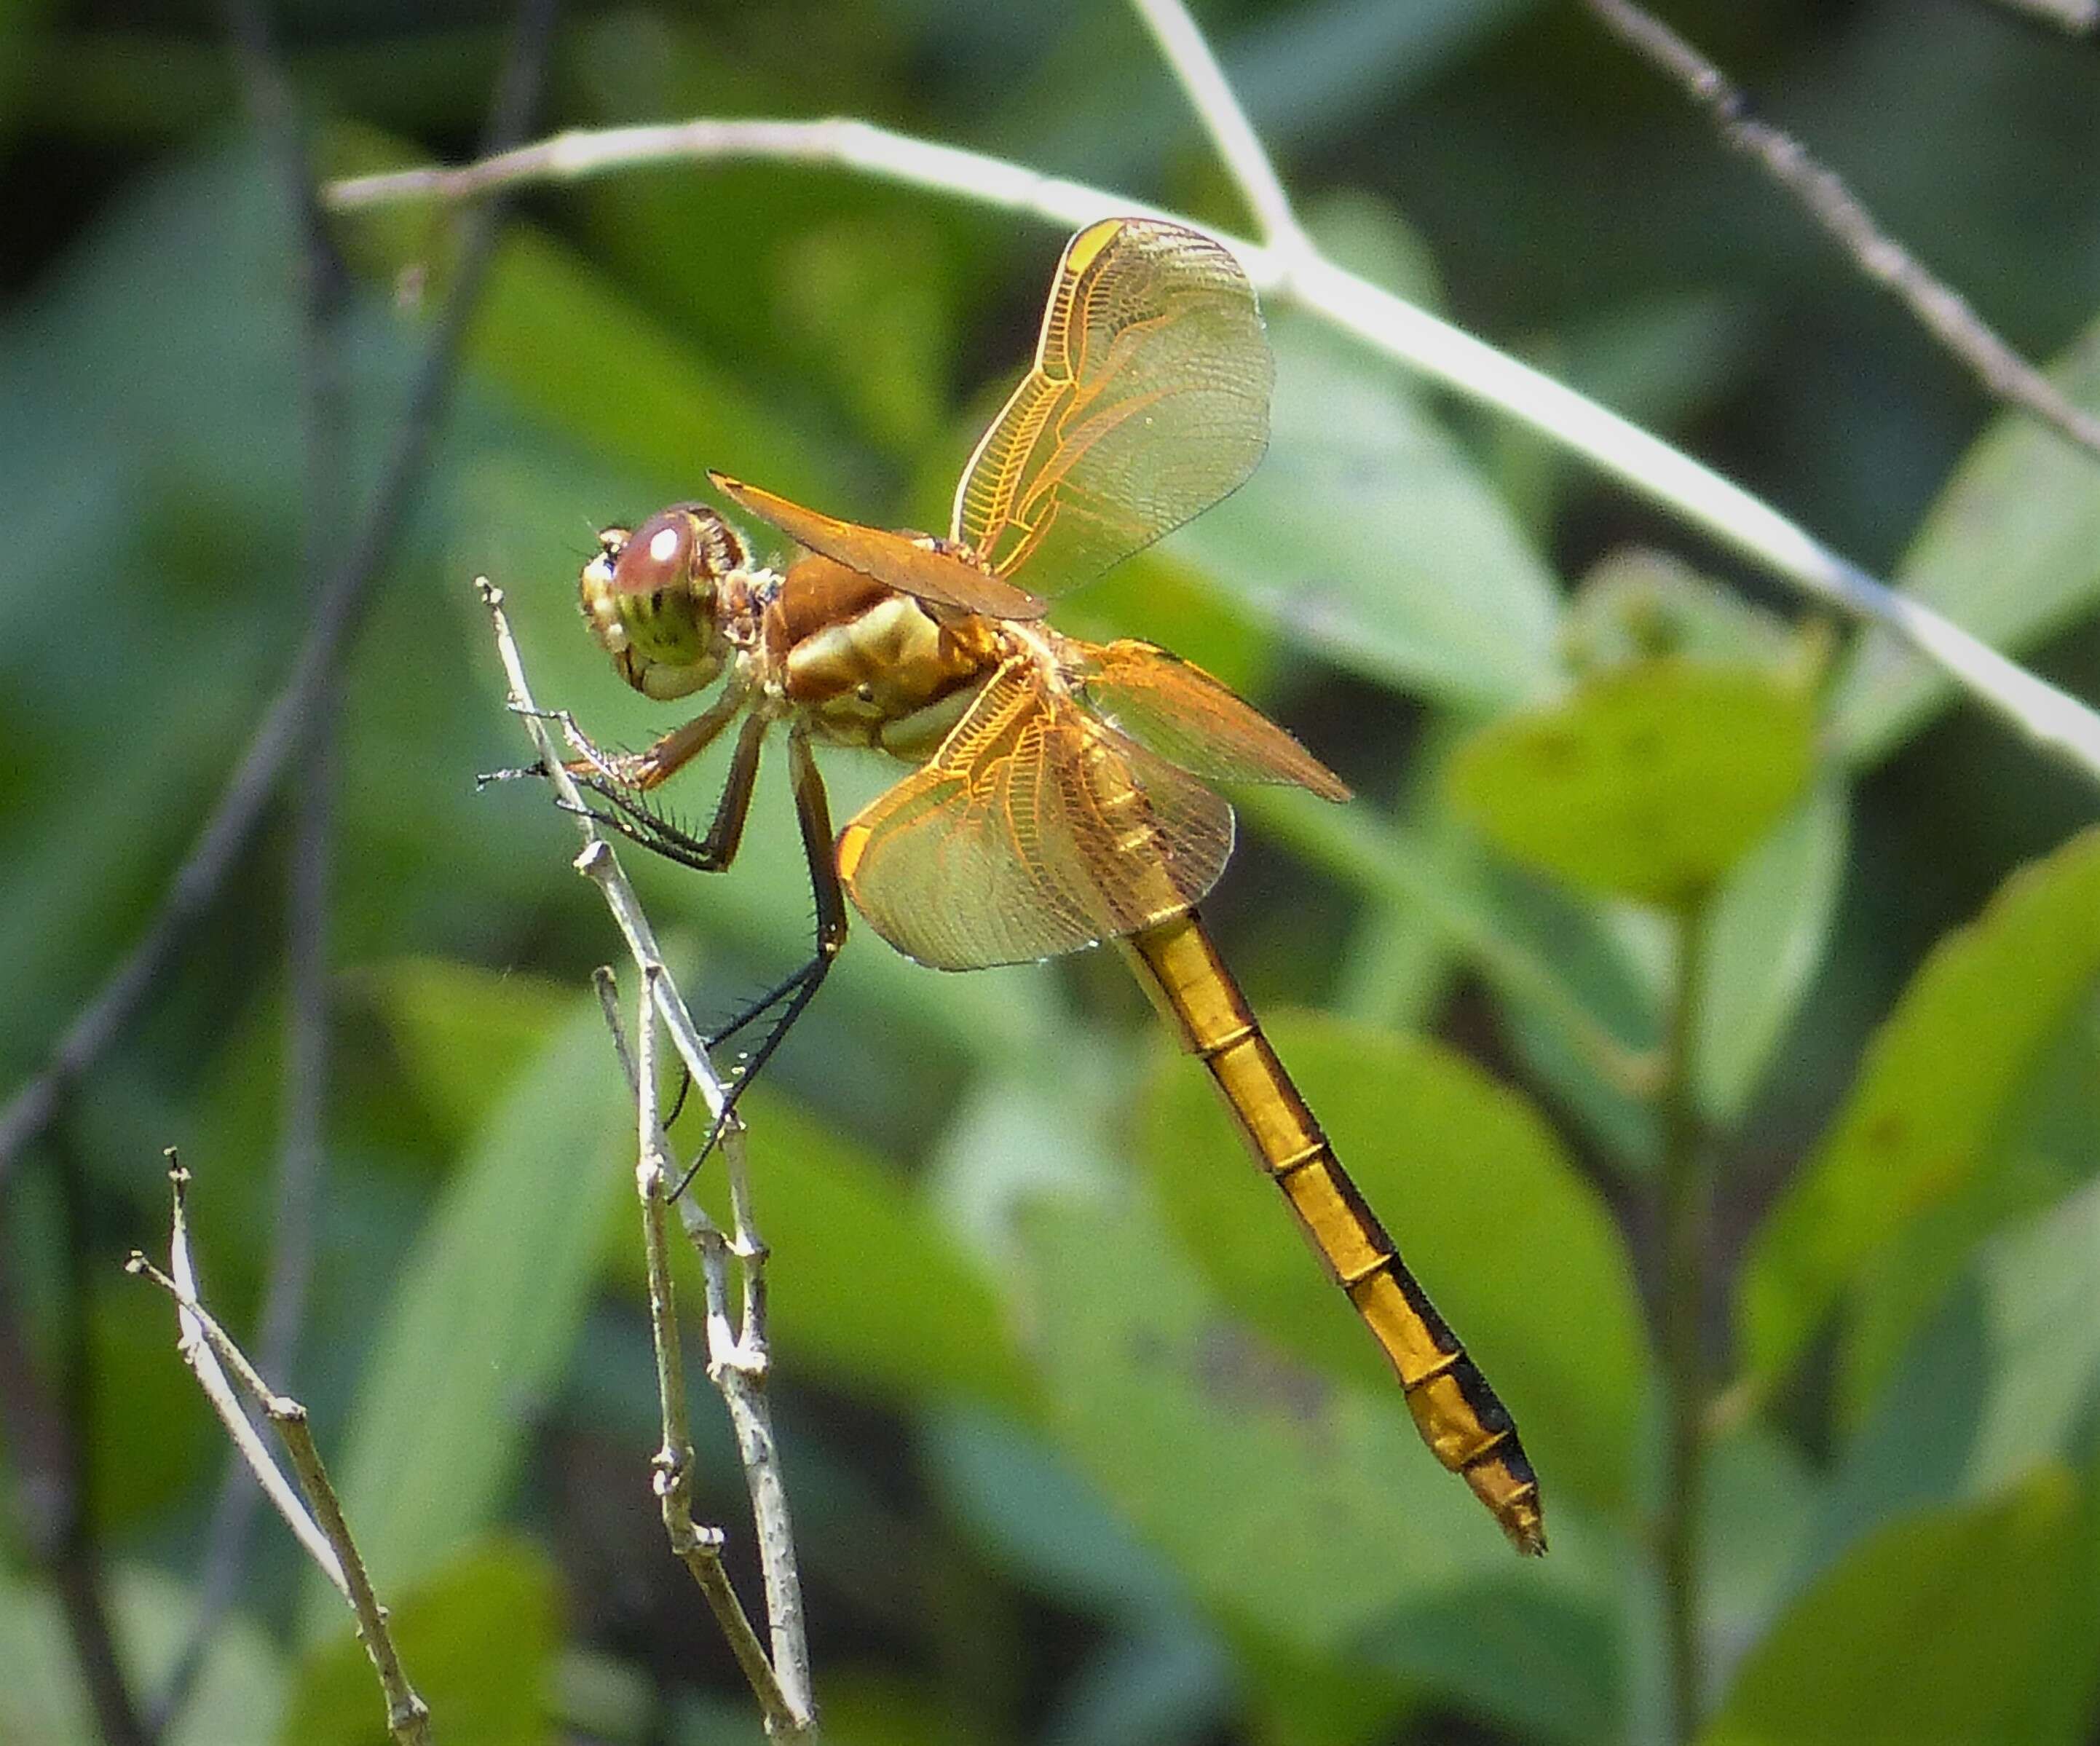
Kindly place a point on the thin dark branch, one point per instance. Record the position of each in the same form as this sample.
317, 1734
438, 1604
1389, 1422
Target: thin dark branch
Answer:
1939, 309
343, 602
323, 287
45, 1434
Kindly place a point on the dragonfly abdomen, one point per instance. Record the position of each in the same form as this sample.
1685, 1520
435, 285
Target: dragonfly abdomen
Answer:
1464, 1424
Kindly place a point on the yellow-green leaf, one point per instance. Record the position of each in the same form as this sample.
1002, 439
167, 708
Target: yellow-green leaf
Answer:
1937, 1081
482, 1314
1648, 781
1944, 1628
477, 1639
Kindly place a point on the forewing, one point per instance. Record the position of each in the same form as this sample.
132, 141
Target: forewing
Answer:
1148, 402
893, 559
1173, 707
1035, 831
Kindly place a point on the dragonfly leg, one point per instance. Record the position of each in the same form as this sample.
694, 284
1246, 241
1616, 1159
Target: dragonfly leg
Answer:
641, 770
813, 814
639, 822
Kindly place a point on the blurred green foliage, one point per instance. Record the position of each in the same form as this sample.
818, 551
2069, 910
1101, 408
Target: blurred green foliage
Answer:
1083, 1450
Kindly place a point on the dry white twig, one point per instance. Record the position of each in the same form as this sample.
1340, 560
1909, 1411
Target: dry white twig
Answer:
318, 1522
1203, 82
2052, 720
698, 1548
738, 1357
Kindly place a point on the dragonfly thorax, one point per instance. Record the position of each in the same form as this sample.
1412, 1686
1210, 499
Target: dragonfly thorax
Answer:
660, 599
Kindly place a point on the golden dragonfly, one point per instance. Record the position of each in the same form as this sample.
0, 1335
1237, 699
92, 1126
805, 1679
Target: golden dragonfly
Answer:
1062, 795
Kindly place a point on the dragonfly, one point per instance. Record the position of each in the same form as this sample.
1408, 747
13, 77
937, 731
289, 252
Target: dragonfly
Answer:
1062, 790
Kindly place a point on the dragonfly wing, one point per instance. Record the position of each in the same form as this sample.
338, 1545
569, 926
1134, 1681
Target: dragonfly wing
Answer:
896, 560
1148, 402
1035, 831
1173, 707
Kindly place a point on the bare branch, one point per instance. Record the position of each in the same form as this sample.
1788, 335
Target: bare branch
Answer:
698, 1548
318, 1523
323, 285
1962, 333
340, 609
737, 1359
2054, 721
45, 1427
1203, 82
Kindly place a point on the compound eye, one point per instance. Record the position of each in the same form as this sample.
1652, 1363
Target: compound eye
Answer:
657, 557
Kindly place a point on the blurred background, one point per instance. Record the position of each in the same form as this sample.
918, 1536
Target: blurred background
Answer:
1081, 1448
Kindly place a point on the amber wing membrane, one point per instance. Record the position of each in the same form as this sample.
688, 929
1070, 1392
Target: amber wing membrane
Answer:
1035, 831
1148, 402
1173, 707
897, 561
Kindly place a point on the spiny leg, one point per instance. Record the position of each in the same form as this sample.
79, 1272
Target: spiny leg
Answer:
640, 771
635, 819
813, 814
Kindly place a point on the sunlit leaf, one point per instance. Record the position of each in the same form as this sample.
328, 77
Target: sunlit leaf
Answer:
1647, 781
1303, 1504
1765, 939
482, 1316
2011, 551
1936, 1084
1512, 1244
1941, 1628
1366, 534
477, 1638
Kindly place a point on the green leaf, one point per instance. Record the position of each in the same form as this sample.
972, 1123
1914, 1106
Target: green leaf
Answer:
1513, 1245
1303, 1508
2011, 551
1937, 1084
1367, 534
2040, 1284
1613, 960
482, 1318
1544, 1664
1648, 781
1765, 938
240, 1686
1942, 1628
588, 361
477, 1638
1891, 1298
1416, 871
1044, 1524
463, 1032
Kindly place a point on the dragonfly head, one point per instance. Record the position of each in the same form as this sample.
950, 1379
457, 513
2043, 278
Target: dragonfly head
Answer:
652, 598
